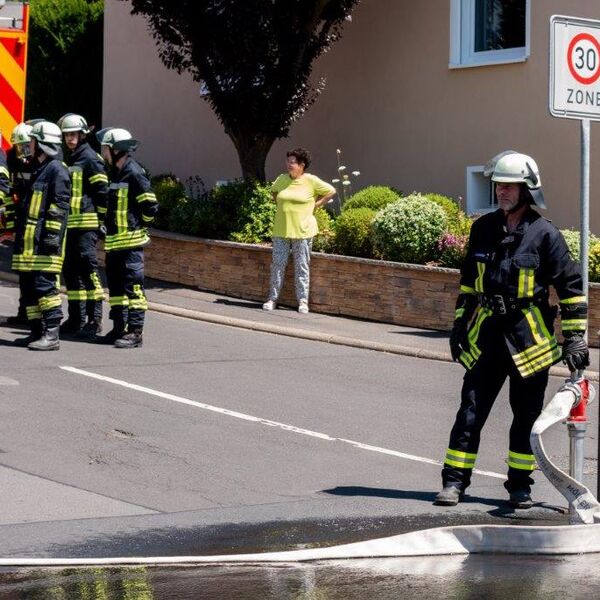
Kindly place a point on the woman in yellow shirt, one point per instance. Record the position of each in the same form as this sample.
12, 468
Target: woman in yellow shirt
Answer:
297, 194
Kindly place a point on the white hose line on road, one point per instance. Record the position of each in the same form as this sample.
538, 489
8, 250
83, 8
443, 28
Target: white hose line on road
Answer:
585, 505
463, 539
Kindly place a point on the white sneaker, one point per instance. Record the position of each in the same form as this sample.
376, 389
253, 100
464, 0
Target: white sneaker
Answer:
269, 305
303, 307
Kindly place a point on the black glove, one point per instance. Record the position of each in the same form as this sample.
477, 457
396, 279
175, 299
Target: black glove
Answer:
575, 353
459, 339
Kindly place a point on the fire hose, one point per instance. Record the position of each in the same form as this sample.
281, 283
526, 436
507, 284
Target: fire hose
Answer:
569, 403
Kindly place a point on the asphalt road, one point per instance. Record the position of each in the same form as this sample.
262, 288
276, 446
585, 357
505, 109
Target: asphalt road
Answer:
211, 439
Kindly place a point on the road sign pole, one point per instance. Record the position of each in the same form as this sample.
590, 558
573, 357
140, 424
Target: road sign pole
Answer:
585, 201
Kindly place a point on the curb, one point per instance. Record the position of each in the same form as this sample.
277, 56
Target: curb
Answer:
324, 337
306, 334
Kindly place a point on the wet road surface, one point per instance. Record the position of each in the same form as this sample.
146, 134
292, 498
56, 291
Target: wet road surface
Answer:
470, 577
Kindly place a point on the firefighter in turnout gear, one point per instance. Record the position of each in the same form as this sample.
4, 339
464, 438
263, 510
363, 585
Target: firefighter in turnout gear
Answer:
131, 208
5, 199
504, 325
40, 227
89, 185
19, 166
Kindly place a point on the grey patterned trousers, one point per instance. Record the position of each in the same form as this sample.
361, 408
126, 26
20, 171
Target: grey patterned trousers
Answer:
300, 249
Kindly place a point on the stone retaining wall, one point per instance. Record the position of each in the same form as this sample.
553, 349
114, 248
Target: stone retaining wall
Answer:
412, 295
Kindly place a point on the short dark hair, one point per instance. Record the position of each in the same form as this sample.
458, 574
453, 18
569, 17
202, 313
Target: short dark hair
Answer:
302, 155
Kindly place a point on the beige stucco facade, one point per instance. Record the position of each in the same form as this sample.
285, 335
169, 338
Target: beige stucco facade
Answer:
400, 115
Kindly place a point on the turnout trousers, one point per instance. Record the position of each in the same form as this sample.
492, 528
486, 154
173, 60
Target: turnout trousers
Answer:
82, 277
481, 386
41, 297
125, 276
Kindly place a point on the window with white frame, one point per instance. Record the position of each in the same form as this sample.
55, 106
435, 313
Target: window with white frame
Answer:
480, 192
487, 32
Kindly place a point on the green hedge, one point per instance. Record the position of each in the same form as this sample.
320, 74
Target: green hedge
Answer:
353, 232
374, 197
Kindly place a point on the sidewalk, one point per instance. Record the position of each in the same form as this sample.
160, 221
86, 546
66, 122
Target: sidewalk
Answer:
215, 308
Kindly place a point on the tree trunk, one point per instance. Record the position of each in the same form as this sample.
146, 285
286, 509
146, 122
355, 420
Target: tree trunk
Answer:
252, 151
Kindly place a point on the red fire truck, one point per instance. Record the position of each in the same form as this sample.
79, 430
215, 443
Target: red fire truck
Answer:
14, 24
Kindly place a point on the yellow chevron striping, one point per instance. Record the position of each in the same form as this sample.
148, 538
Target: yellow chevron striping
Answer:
7, 123
12, 72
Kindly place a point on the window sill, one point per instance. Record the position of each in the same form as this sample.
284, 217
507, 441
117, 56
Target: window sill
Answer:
487, 63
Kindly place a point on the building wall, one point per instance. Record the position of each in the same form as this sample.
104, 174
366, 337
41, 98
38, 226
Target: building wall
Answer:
398, 113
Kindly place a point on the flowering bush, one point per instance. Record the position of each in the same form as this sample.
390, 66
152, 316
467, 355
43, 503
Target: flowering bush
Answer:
452, 250
408, 230
458, 222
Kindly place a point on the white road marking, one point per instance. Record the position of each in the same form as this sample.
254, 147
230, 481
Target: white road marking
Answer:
268, 422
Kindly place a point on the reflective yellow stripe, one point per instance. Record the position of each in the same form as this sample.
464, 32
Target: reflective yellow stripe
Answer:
526, 283
524, 462
35, 262
574, 300
53, 225
98, 292
533, 325
118, 300
479, 280
461, 460
139, 301
147, 197
76, 295
33, 312
573, 324
121, 212
147, 219
76, 191
465, 289
48, 302
83, 221
459, 313
35, 205
4, 171
126, 239
99, 177
541, 363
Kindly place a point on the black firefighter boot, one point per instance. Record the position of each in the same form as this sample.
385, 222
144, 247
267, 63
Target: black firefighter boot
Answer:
117, 332
48, 341
132, 339
36, 331
93, 327
76, 319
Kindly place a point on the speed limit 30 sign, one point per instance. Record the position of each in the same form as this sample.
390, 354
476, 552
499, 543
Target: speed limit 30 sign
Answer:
574, 68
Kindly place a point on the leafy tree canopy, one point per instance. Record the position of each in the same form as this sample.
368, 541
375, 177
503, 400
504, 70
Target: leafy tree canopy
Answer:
65, 59
254, 56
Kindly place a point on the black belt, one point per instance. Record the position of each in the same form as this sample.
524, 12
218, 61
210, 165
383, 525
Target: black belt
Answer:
502, 305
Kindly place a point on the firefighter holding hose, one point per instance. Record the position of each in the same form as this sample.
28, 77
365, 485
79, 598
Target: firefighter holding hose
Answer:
504, 324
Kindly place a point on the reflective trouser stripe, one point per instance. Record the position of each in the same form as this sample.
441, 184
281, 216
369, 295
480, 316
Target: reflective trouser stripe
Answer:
574, 324
526, 283
139, 301
118, 301
460, 460
48, 302
33, 312
479, 280
76, 295
523, 462
98, 292
574, 300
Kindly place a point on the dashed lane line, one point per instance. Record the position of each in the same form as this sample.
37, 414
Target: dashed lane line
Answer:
266, 422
